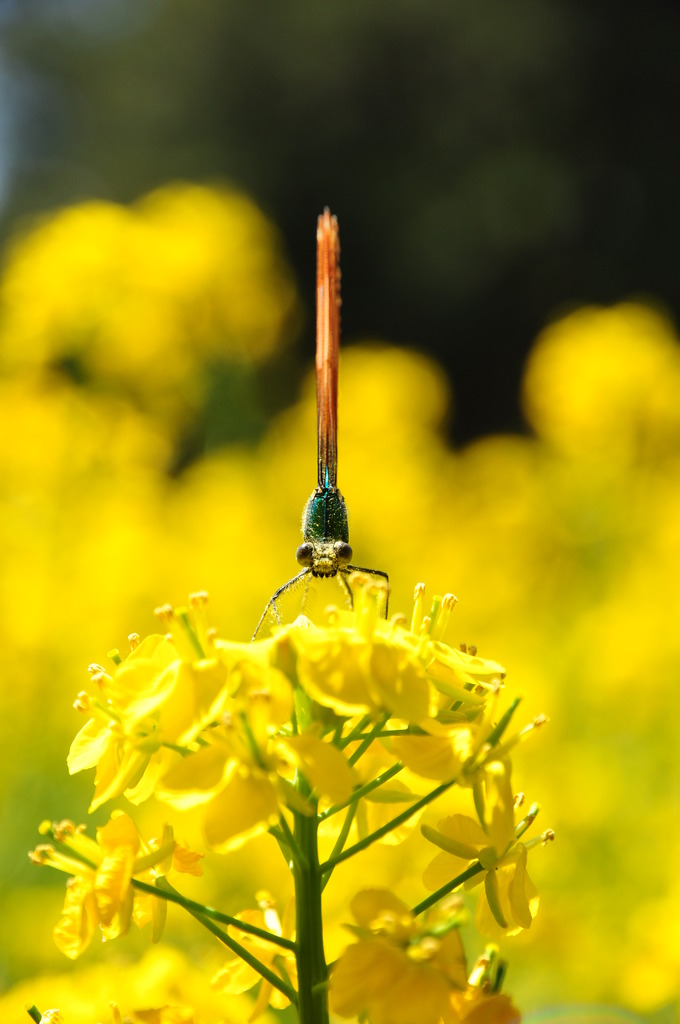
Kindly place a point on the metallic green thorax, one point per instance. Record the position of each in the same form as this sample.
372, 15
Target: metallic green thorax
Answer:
325, 516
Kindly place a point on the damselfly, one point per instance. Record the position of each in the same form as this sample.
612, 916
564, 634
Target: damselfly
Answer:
325, 553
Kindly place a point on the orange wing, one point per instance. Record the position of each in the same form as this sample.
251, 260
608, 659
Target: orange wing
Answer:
327, 345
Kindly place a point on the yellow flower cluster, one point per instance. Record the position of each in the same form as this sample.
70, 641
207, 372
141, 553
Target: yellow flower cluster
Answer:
146, 297
237, 976
162, 986
100, 890
400, 971
199, 721
267, 735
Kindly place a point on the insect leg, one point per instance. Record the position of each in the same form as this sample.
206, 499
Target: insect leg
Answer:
371, 572
272, 605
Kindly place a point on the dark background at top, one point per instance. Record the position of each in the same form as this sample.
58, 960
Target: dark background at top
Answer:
492, 162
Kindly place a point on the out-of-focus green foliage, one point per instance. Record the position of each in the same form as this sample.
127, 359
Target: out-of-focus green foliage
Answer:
562, 547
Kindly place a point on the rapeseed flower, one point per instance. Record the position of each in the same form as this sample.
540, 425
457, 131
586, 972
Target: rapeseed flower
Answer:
509, 901
237, 976
282, 735
200, 721
399, 971
363, 664
99, 892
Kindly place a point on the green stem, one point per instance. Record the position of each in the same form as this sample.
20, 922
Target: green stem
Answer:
340, 841
311, 961
290, 840
183, 615
362, 791
496, 733
332, 862
167, 892
425, 904
367, 740
355, 732
245, 955
34, 1013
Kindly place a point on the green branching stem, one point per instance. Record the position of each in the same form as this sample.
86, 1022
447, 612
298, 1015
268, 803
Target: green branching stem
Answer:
368, 739
356, 732
236, 947
430, 901
164, 890
291, 842
341, 840
183, 615
332, 862
504, 721
362, 791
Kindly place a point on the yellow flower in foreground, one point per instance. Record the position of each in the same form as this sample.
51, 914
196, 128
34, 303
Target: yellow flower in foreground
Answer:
100, 891
364, 664
478, 1007
399, 972
237, 976
199, 721
509, 900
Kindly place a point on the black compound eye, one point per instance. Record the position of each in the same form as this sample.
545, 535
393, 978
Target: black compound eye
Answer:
343, 552
305, 554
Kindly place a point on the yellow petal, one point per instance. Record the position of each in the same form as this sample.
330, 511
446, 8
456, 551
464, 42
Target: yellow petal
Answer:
442, 870
454, 846
451, 958
479, 1008
88, 746
79, 918
139, 687
364, 971
376, 809
431, 757
195, 700
398, 684
522, 894
194, 779
235, 977
420, 995
373, 906
120, 830
116, 773
187, 861
112, 886
464, 829
499, 806
485, 919
246, 807
332, 673
324, 766
493, 899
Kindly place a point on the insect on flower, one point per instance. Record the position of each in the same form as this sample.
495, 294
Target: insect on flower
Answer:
325, 551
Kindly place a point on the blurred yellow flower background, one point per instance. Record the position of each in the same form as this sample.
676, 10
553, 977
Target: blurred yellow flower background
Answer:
563, 546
